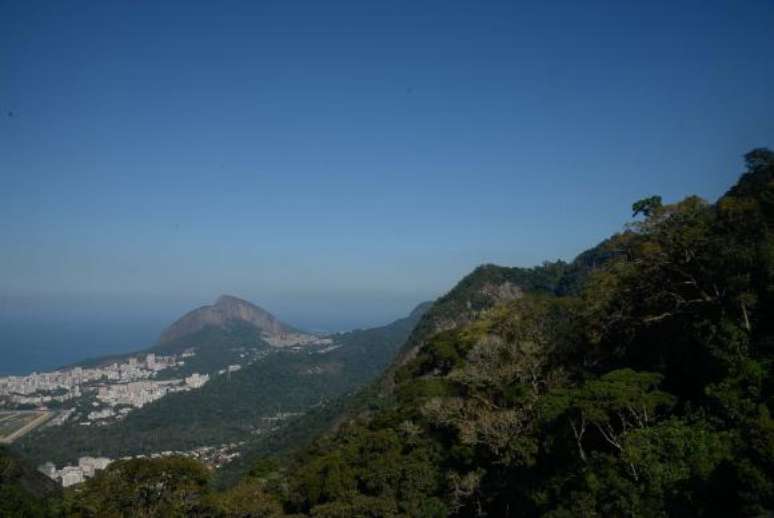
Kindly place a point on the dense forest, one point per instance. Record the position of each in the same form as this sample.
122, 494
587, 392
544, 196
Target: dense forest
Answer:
634, 381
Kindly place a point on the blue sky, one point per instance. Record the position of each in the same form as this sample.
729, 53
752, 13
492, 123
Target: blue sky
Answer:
337, 162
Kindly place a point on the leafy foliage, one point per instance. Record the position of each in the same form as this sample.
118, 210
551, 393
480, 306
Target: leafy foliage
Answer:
24, 491
162, 487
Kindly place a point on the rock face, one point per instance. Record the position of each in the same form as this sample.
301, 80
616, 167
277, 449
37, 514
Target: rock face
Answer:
228, 308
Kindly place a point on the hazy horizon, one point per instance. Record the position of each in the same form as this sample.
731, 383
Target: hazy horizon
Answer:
338, 163
42, 337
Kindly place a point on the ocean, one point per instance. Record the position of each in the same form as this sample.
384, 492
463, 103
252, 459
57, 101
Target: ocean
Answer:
38, 344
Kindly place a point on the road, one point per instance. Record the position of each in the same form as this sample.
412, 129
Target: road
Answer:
39, 420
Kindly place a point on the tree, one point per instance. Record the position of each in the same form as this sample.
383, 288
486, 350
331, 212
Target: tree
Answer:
248, 499
646, 206
169, 486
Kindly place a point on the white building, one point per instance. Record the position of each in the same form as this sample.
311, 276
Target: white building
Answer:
87, 466
71, 476
196, 380
101, 463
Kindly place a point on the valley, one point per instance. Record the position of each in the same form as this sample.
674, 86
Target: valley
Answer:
220, 381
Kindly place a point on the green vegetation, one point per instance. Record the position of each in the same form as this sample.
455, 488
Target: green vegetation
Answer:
365, 352
231, 408
24, 491
165, 487
640, 386
635, 381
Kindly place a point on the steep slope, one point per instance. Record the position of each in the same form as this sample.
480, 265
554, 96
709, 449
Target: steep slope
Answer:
490, 285
487, 286
366, 352
23, 490
642, 386
484, 288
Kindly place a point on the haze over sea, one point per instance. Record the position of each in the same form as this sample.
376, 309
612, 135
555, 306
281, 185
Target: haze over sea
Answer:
36, 337
37, 344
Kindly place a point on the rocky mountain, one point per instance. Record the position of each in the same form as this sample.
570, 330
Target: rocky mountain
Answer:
228, 309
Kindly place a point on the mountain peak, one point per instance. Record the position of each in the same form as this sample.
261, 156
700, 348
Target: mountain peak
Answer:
227, 308
225, 300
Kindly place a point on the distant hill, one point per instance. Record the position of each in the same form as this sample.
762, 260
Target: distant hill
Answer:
214, 330
228, 309
246, 405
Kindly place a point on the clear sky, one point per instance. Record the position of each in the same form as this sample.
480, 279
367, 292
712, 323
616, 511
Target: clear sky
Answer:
338, 162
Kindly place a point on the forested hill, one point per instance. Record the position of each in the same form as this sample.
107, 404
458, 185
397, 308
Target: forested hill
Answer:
635, 381
482, 289
490, 285
643, 390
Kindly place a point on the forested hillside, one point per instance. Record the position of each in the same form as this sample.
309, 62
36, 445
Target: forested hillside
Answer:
635, 381
646, 390
23, 490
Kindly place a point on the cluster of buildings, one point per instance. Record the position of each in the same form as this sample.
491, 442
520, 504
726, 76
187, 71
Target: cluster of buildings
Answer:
119, 387
294, 340
121, 398
60, 418
71, 475
216, 456
138, 393
43, 389
87, 467
212, 456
